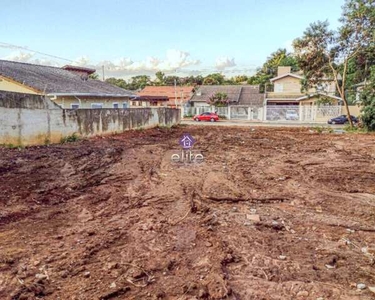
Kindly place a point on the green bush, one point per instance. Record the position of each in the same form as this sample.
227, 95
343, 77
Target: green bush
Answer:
367, 99
70, 138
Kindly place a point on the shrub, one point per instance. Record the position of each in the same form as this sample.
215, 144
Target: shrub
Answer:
367, 99
70, 139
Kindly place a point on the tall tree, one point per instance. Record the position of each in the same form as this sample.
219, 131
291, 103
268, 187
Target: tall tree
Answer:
367, 99
280, 57
322, 52
214, 79
160, 78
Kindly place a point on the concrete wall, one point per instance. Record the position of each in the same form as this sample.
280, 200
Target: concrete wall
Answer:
33, 120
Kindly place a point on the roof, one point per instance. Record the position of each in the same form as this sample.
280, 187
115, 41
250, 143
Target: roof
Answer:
286, 75
184, 92
237, 94
57, 81
152, 98
317, 94
169, 91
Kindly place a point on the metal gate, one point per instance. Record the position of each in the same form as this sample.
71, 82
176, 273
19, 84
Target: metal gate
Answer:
282, 113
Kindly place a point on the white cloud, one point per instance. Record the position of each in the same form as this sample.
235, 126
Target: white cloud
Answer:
28, 57
224, 62
175, 62
19, 56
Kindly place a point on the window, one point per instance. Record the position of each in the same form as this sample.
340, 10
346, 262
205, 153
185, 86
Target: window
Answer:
115, 105
96, 105
125, 105
74, 105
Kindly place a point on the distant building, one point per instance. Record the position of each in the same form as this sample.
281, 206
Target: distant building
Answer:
247, 95
146, 101
177, 96
287, 90
69, 86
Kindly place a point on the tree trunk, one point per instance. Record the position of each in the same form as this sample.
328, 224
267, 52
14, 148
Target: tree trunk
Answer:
343, 95
348, 112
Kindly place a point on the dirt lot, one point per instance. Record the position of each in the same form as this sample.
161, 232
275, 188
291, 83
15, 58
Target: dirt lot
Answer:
113, 218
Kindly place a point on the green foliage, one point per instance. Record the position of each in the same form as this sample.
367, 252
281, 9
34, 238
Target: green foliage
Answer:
323, 53
279, 58
355, 129
322, 129
214, 79
367, 99
12, 146
219, 99
135, 83
160, 78
322, 100
70, 139
94, 76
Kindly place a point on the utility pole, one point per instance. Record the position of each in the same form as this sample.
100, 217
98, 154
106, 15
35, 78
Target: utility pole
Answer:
103, 73
175, 88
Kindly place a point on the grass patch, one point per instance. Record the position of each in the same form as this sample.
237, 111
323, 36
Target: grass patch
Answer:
356, 129
321, 129
12, 146
70, 139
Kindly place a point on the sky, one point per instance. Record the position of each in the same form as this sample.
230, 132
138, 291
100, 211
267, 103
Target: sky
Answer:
133, 37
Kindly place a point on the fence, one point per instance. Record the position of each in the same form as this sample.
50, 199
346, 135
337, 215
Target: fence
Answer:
282, 113
302, 113
31, 120
230, 112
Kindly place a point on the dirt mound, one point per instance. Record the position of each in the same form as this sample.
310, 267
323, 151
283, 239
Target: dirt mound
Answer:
270, 214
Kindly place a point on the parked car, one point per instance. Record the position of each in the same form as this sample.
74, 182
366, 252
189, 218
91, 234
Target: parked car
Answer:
207, 116
291, 114
343, 119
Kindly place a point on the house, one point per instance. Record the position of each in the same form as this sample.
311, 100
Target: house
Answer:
247, 95
287, 90
69, 86
146, 101
177, 96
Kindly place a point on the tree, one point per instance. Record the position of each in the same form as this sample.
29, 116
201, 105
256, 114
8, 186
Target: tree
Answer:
214, 79
240, 78
367, 99
94, 76
160, 77
323, 53
139, 82
219, 99
117, 82
280, 57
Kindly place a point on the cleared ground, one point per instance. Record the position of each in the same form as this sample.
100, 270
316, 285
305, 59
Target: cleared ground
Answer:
113, 218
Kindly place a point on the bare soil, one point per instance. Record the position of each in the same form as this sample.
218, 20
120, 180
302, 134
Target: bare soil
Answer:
271, 214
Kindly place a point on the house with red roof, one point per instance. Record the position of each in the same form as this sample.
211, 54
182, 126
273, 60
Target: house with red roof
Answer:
177, 96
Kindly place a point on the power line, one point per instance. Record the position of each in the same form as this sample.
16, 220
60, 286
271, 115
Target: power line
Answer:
11, 46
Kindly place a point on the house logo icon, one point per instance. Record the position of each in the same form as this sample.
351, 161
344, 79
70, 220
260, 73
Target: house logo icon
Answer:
187, 141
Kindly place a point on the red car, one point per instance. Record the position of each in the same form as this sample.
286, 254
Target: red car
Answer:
207, 116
